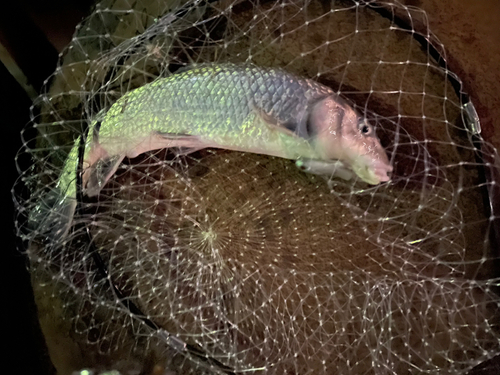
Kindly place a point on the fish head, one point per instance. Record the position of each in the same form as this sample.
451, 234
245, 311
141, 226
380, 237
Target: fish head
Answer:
339, 132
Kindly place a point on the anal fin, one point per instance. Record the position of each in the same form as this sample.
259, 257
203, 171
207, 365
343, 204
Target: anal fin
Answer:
97, 176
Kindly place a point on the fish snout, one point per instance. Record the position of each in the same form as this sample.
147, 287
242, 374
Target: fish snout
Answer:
381, 171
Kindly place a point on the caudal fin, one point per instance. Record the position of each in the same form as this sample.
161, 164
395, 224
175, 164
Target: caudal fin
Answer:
52, 216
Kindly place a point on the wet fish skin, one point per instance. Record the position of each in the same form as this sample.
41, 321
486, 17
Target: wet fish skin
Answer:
241, 108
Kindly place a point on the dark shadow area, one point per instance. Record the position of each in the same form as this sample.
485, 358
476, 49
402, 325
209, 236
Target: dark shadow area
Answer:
25, 351
29, 33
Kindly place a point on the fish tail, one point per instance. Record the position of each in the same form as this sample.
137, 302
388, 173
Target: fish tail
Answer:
52, 214
52, 217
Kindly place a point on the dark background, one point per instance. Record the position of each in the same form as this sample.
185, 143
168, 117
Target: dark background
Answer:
33, 32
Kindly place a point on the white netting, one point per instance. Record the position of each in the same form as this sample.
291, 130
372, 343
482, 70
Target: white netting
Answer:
225, 262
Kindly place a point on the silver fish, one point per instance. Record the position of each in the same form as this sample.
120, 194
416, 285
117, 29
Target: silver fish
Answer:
236, 107
241, 108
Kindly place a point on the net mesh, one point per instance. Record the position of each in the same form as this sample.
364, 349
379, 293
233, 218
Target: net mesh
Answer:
228, 262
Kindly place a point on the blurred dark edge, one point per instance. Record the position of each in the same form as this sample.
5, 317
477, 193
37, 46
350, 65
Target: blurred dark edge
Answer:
489, 367
21, 34
25, 350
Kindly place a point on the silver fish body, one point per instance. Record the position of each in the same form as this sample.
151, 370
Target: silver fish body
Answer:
237, 107
222, 104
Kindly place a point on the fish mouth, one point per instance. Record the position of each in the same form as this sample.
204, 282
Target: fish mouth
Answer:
380, 172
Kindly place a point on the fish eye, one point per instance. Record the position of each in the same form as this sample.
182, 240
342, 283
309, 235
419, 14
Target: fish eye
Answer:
364, 128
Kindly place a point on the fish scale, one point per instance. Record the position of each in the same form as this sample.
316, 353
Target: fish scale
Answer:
213, 101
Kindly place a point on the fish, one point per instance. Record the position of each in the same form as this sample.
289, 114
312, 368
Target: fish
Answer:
238, 107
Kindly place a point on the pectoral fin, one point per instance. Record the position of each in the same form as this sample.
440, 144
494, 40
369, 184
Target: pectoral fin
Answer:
288, 128
334, 168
